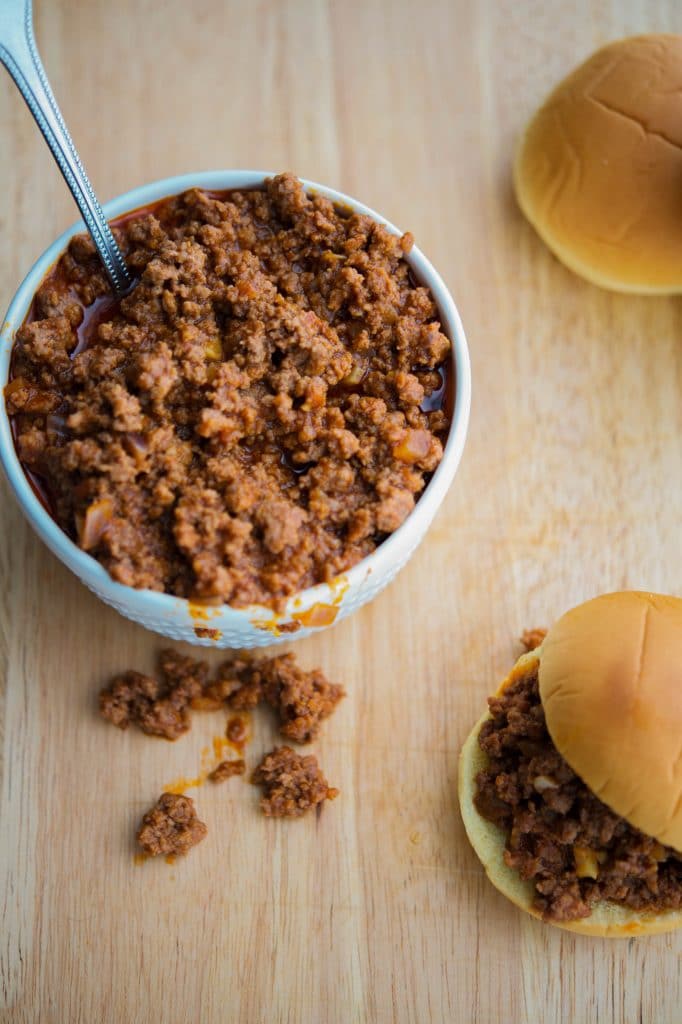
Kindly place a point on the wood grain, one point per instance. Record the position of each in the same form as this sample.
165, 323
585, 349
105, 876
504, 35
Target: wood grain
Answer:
570, 485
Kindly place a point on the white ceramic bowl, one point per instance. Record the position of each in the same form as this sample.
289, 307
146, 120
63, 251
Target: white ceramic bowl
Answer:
311, 609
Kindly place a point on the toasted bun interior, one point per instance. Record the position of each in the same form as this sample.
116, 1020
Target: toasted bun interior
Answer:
598, 171
611, 686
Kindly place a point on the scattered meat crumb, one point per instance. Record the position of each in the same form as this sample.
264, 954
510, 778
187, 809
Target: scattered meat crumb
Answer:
157, 707
237, 683
171, 826
302, 699
226, 769
183, 673
292, 783
532, 638
236, 731
205, 633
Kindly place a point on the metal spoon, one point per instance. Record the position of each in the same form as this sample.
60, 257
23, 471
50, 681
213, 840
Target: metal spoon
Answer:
19, 54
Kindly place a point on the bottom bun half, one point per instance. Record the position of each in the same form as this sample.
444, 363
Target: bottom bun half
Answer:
607, 920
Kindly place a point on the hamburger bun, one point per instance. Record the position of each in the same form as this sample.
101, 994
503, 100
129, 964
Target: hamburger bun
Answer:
611, 686
598, 171
610, 681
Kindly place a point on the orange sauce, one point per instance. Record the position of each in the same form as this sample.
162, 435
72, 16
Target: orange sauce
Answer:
179, 786
201, 612
318, 615
210, 759
269, 625
221, 745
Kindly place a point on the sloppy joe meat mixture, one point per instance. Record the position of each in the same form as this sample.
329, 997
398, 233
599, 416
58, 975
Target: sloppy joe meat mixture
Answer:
160, 705
171, 827
302, 698
532, 638
255, 417
227, 769
560, 835
292, 783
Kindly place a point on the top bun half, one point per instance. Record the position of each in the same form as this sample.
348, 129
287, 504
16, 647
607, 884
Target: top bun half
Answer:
610, 681
599, 169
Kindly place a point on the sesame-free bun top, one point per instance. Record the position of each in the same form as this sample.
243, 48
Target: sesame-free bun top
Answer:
610, 680
598, 171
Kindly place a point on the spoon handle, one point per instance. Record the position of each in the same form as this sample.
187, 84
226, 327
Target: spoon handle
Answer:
19, 54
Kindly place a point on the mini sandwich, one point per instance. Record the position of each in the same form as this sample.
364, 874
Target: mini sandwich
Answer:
571, 784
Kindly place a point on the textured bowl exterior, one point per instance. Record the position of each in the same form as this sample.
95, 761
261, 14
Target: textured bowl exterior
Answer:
312, 609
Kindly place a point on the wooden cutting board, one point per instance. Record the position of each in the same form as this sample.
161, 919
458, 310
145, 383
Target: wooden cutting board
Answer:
570, 485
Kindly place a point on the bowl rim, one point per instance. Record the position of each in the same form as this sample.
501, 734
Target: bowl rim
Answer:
85, 566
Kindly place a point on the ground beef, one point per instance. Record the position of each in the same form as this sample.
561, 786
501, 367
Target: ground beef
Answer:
160, 707
301, 699
292, 783
532, 638
171, 827
157, 706
182, 673
226, 769
559, 835
237, 683
255, 417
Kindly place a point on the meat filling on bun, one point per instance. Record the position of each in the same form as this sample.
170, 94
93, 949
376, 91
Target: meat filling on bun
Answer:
570, 783
560, 836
